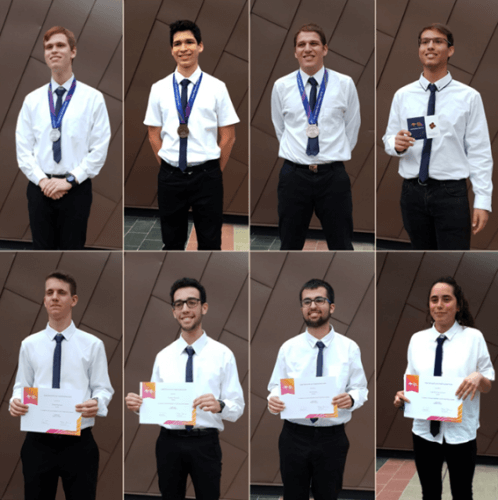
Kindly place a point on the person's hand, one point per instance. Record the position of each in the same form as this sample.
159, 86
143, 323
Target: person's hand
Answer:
343, 401
207, 402
18, 409
88, 409
479, 220
133, 401
55, 186
276, 405
400, 399
469, 385
403, 140
43, 183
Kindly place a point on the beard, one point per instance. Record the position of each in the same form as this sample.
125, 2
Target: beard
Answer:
317, 322
194, 325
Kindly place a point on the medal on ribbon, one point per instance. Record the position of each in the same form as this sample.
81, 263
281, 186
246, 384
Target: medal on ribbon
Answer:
183, 130
55, 133
312, 129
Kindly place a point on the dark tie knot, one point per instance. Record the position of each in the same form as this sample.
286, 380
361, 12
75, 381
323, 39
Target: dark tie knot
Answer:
59, 338
60, 91
441, 339
432, 88
190, 350
320, 345
312, 82
184, 83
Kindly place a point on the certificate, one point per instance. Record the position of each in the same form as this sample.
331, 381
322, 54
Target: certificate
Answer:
167, 403
433, 398
52, 411
308, 397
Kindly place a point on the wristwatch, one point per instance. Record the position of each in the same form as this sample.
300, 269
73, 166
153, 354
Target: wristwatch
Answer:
71, 179
222, 405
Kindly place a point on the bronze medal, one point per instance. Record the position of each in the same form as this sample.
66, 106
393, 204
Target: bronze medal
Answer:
312, 131
183, 130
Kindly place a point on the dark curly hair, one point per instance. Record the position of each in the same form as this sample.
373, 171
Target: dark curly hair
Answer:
463, 316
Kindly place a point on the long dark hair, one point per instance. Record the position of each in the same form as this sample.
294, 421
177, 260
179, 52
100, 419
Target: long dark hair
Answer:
463, 316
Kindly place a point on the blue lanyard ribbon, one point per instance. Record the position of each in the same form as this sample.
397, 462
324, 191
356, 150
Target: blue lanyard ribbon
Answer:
57, 120
184, 117
312, 117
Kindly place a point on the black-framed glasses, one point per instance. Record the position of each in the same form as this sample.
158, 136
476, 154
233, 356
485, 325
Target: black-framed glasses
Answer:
191, 303
319, 301
424, 42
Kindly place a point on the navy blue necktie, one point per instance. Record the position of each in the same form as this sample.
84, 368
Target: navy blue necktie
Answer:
438, 371
319, 365
56, 146
56, 373
183, 140
423, 174
313, 149
189, 372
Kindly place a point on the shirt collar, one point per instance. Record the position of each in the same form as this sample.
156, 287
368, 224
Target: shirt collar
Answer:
193, 77
456, 328
318, 76
68, 332
440, 84
66, 85
198, 345
327, 340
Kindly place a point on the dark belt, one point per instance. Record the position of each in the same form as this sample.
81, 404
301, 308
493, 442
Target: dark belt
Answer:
311, 429
431, 182
188, 433
314, 167
208, 165
54, 176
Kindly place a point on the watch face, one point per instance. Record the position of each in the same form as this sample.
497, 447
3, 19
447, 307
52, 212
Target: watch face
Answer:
70, 178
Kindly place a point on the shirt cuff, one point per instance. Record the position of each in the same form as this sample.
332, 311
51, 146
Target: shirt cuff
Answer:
80, 174
482, 202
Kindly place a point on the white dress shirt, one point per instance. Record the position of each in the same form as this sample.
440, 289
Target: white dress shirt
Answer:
85, 134
339, 119
462, 150
464, 352
214, 372
341, 359
83, 366
212, 109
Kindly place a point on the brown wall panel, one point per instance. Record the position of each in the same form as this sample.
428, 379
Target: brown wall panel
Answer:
150, 327
404, 280
22, 281
98, 31
276, 317
473, 23
225, 57
349, 28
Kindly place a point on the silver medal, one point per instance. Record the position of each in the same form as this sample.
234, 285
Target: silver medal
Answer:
312, 131
55, 134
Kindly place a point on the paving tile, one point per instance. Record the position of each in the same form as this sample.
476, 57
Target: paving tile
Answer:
151, 245
133, 240
142, 226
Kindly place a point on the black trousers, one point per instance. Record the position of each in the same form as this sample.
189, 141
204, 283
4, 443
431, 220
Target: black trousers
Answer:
312, 456
199, 187
59, 224
461, 460
46, 457
327, 192
180, 453
436, 216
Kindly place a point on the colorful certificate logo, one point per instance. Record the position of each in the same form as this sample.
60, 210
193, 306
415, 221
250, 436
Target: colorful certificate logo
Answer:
287, 386
31, 395
412, 383
149, 390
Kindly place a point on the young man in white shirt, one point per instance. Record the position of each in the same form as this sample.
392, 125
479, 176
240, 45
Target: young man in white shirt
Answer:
316, 115
62, 357
186, 112
434, 201
62, 137
453, 348
313, 451
194, 357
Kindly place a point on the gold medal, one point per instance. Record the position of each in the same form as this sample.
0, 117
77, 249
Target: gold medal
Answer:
183, 130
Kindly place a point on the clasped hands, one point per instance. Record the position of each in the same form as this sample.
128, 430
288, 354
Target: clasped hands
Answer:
88, 409
54, 188
343, 401
206, 402
469, 385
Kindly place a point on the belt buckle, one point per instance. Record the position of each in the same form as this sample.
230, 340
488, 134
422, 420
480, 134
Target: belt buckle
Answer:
421, 183
313, 168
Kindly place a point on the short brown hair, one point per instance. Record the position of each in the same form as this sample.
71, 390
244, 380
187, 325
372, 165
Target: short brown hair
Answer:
442, 29
67, 278
311, 27
55, 30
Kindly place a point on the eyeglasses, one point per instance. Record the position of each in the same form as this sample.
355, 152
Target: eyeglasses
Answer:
191, 303
319, 301
436, 41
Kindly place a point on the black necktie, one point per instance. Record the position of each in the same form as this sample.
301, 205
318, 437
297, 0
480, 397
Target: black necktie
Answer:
313, 149
423, 174
438, 371
56, 369
319, 365
183, 140
56, 146
189, 372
